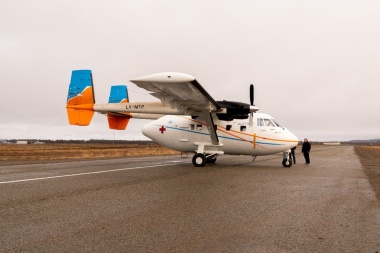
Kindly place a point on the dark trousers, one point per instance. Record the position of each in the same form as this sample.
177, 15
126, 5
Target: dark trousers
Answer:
293, 156
307, 157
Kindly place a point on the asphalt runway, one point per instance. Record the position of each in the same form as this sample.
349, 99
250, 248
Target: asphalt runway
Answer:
164, 204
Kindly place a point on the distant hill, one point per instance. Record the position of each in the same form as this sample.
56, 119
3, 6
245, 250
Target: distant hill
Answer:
92, 141
366, 141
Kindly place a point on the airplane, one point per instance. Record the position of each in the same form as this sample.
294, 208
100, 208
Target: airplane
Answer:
186, 119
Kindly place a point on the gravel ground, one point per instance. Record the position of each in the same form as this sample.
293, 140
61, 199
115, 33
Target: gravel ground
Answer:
234, 205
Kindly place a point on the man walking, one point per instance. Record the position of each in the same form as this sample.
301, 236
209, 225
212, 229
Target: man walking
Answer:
306, 147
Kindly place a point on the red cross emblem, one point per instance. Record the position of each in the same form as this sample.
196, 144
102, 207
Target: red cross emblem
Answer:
162, 129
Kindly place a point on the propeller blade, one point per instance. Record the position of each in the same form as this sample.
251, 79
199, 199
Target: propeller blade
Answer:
251, 94
251, 97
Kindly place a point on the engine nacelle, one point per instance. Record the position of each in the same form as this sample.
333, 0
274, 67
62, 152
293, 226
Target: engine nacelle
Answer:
234, 110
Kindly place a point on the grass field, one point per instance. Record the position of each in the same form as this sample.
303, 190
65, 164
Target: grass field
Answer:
41, 152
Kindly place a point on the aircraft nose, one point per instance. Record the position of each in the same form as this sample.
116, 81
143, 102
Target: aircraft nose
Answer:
292, 137
147, 130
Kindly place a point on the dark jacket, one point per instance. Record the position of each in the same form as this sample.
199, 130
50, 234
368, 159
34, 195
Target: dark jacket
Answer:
306, 147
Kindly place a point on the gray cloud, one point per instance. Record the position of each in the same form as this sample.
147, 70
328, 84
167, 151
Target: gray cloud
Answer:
314, 64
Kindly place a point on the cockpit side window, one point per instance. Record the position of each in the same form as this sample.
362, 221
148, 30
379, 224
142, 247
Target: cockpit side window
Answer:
260, 122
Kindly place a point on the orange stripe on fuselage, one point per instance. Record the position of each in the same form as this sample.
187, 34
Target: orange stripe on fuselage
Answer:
242, 133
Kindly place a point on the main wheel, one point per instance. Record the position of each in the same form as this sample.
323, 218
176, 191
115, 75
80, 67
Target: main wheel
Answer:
211, 159
199, 160
287, 163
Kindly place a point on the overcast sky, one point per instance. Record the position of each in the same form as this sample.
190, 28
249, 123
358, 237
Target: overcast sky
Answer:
315, 64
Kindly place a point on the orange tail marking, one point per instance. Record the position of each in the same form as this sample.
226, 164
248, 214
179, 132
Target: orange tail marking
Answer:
117, 122
80, 109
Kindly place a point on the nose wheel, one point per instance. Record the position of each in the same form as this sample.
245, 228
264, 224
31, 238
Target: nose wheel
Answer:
287, 163
287, 160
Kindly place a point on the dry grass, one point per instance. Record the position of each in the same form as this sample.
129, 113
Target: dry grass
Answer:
370, 159
14, 152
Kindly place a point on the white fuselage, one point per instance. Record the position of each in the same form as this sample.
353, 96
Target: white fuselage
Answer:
236, 137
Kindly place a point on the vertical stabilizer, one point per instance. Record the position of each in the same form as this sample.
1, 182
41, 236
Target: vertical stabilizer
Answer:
80, 98
118, 94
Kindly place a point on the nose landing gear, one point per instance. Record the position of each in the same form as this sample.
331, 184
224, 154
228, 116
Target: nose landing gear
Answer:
287, 160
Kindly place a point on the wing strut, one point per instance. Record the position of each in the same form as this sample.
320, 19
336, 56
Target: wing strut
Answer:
211, 129
205, 93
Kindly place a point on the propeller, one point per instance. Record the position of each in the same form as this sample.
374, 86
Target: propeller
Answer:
251, 94
251, 97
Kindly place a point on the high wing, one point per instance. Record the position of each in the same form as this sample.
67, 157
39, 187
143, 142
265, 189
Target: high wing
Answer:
180, 91
184, 93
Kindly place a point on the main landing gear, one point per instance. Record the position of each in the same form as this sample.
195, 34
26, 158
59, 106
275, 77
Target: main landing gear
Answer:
200, 160
202, 156
287, 160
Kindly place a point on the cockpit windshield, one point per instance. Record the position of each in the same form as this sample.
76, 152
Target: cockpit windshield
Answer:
267, 122
278, 125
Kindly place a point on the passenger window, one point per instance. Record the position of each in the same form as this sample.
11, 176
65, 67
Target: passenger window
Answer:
243, 128
228, 127
199, 127
192, 126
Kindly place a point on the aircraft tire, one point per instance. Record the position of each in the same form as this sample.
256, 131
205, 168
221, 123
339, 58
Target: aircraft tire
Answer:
199, 160
287, 163
211, 160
